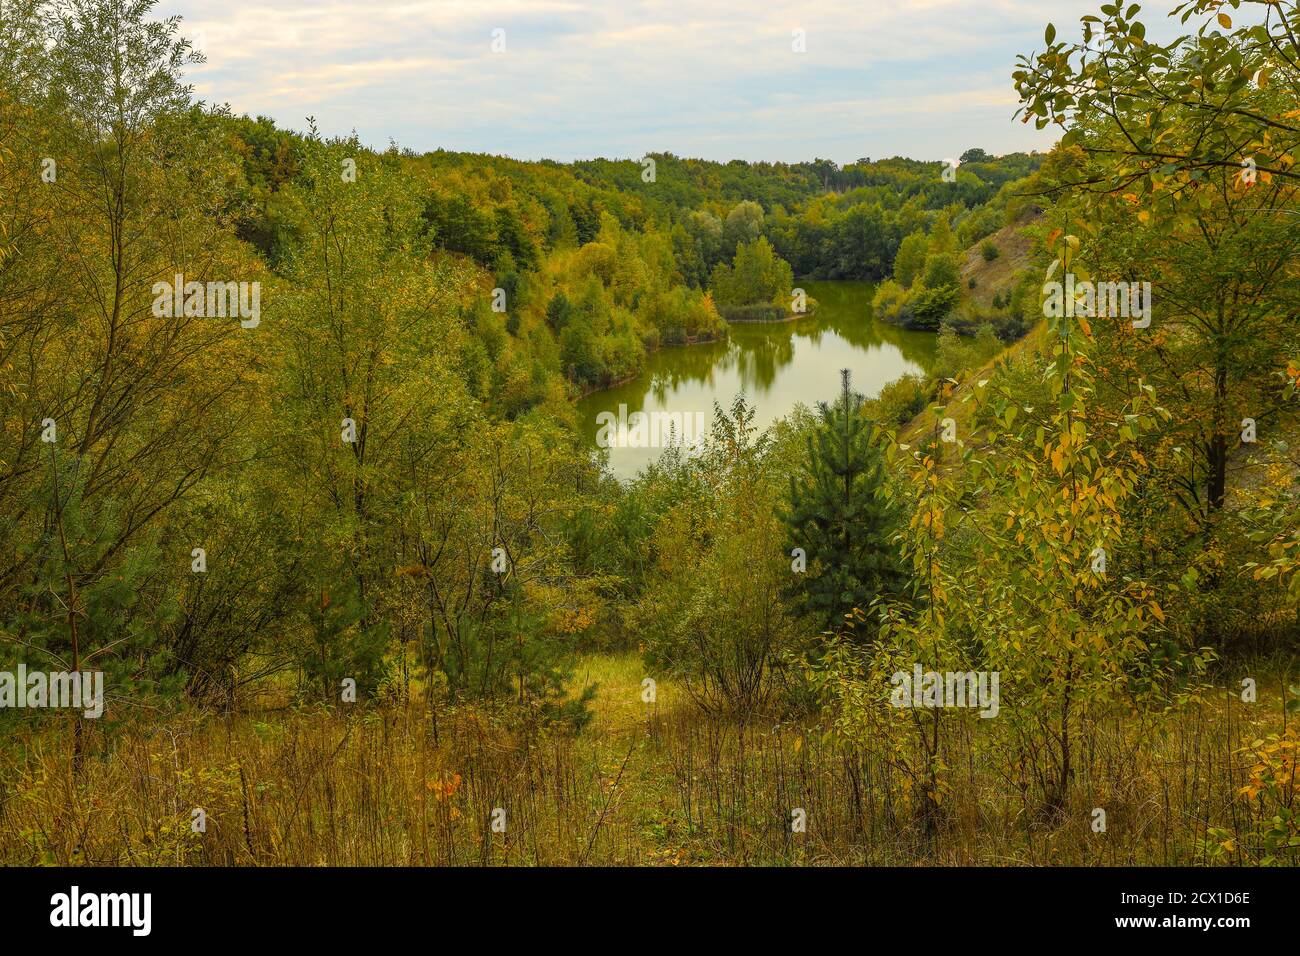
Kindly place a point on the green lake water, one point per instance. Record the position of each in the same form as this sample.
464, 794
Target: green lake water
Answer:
776, 365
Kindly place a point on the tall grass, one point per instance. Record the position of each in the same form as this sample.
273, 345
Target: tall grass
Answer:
643, 784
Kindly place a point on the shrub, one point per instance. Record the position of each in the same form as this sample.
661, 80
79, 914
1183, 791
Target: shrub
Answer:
929, 307
712, 615
957, 354
889, 301
942, 270
902, 400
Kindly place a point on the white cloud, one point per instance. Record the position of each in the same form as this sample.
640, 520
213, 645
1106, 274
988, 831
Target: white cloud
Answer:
579, 78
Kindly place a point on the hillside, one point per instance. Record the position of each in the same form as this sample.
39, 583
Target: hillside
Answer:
952, 397
1015, 246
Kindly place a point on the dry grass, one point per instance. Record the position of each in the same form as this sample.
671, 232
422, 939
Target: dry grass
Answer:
640, 785
1015, 249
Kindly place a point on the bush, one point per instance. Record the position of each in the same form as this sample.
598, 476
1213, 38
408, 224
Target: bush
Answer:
711, 614
889, 301
902, 400
942, 270
929, 307
989, 251
957, 354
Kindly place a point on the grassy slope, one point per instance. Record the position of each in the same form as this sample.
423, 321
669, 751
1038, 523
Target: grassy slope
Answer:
1015, 249
924, 424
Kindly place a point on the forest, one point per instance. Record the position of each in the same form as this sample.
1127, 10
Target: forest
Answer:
290, 457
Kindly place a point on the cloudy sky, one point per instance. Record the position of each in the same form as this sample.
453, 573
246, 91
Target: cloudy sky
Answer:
716, 79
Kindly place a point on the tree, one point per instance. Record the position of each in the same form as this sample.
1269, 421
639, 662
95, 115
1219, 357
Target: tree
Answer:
1177, 169
744, 224
580, 353
1222, 98
842, 517
942, 241
484, 570
145, 404
1064, 620
712, 614
369, 361
1030, 585
910, 258
941, 270
558, 312
862, 243
705, 233
757, 275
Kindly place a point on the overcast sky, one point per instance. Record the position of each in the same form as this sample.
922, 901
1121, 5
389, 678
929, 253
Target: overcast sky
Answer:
716, 79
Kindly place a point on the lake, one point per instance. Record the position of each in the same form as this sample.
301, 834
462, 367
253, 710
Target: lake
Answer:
777, 365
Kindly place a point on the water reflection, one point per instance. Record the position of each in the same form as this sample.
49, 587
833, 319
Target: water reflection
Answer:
776, 365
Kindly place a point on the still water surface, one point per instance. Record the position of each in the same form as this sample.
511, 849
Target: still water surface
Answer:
776, 365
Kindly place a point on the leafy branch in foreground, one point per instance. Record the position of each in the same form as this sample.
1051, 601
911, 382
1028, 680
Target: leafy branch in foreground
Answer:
1224, 97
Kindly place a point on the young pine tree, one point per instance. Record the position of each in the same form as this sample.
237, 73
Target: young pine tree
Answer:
841, 516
